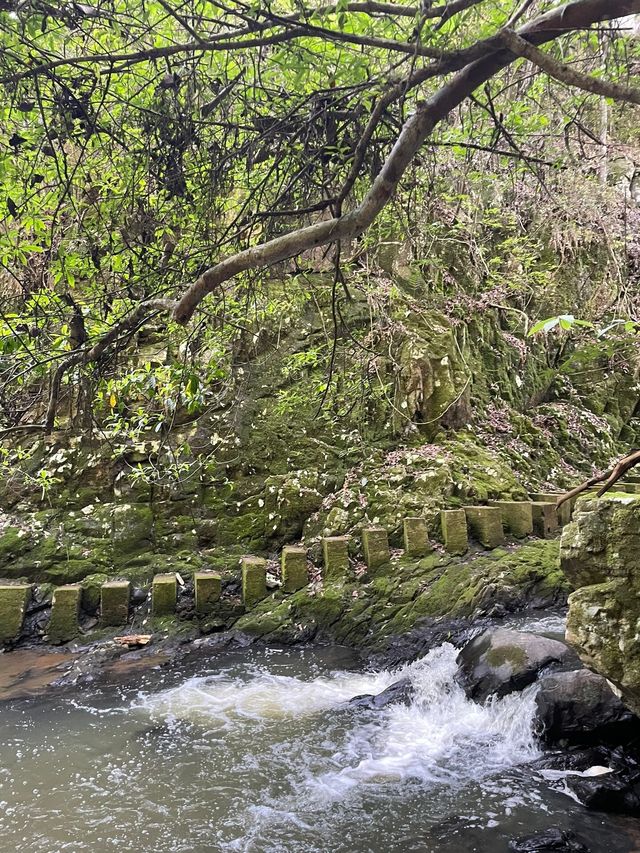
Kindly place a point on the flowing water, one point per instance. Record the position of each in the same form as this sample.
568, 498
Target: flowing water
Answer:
255, 751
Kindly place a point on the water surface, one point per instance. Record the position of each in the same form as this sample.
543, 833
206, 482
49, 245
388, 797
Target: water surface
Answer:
255, 751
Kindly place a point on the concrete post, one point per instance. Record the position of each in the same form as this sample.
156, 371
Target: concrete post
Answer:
208, 588
65, 606
114, 603
164, 594
335, 550
294, 568
416, 538
254, 580
485, 523
13, 603
454, 531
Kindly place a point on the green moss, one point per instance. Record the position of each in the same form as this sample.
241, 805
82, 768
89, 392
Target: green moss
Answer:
13, 602
14, 541
63, 623
511, 655
91, 585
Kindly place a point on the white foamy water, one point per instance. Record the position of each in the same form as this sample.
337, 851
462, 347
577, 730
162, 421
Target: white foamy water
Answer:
441, 737
258, 753
216, 700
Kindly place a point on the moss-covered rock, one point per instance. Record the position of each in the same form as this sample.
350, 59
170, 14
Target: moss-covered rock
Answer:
601, 555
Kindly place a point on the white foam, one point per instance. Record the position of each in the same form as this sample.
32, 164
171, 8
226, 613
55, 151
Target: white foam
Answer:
218, 699
441, 737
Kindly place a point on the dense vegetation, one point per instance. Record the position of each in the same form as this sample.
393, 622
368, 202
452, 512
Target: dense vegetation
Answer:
284, 155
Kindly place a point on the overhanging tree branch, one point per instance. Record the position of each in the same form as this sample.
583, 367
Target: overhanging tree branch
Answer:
565, 73
559, 21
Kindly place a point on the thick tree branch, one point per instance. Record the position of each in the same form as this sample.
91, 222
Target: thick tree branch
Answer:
565, 73
559, 21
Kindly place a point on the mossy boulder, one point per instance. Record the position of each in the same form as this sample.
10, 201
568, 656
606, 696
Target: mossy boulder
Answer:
600, 553
132, 529
500, 661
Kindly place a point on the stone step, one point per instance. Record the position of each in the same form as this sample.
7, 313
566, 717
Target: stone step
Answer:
416, 537
208, 589
564, 512
517, 517
14, 598
164, 594
485, 523
114, 603
254, 580
545, 519
294, 568
335, 552
375, 544
65, 608
453, 523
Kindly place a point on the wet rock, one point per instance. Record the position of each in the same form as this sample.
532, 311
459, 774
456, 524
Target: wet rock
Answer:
548, 841
611, 792
500, 661
401, 692
580, 704
601, 778
138, 595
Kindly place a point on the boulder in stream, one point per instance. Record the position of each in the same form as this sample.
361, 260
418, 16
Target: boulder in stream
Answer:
399, 692
500, 661
580, 705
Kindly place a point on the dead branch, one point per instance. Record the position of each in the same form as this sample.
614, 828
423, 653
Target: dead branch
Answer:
609, 478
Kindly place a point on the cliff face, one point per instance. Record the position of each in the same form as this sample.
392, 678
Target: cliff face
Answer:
600, 555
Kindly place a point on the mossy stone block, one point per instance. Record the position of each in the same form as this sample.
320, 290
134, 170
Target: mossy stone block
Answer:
92, 591
564, 512
335, 550
114, 603
375, 544
517, 517
630, 488
453, 523
416, 537
65, 606
294, 568
208, 587
13, 603
254, 580
485, 523
545, 519
164, 594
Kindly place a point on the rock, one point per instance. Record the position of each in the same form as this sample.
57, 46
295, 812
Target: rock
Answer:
547, 841
611, 792
578, 704
601, 778
401, 691
138, 595
599, 554
500, 661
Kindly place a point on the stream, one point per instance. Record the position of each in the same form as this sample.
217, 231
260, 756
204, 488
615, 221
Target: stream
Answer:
254, 750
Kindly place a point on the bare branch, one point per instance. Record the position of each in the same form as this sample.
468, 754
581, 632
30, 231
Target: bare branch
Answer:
609, 478
565, 73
